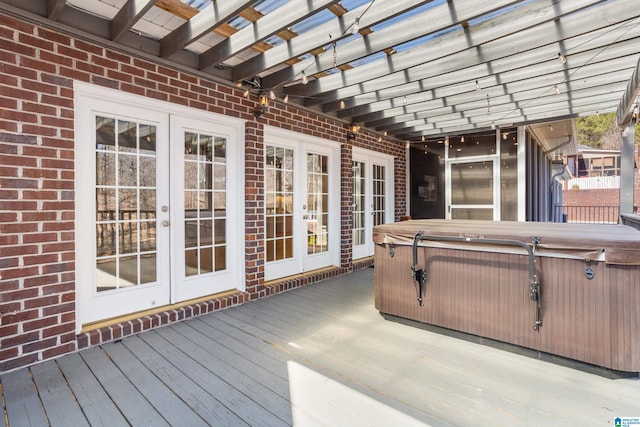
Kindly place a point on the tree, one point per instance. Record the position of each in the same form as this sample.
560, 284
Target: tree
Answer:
600, 131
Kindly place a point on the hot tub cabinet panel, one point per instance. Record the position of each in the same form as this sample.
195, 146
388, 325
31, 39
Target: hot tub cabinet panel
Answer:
588, 275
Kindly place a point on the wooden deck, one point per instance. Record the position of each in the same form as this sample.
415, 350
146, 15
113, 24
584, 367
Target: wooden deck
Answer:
316, 356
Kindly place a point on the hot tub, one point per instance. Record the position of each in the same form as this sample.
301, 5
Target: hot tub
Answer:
571, 290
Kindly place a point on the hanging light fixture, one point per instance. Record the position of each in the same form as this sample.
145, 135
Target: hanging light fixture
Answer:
354, 129
262, 108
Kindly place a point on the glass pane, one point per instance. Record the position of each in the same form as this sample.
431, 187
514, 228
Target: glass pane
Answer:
220, 150
220, 231
105, 133
105, 204
148, 263
190, 145
127, 136
129, 240
147, 171
220, 178
147, 204
472, 183
191, 234
206, 232
220, 204
147, 139
190, 175
191, 262
469, 213
106, 239
127, 170
147, 236
105, 168
473, 145
128, 271
206, 260
128, 202
206, 148
221, 258
106, 278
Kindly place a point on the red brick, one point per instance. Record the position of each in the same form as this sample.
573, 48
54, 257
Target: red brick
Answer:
39, 345
54, 36
18, 317
39, 323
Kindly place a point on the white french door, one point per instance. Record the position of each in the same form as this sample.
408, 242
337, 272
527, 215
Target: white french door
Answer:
154, 218
302, 218
373, 198
206, 208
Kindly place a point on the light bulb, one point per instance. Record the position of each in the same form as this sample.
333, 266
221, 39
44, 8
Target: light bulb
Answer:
305, 79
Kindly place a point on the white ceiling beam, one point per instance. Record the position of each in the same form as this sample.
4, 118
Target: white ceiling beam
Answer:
290, 13
439, 18
320, 36
205, 21
130, 13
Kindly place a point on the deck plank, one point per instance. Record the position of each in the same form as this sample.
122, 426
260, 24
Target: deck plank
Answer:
96, 404
59, 402
197, 369
246, 381
172, 408
190, 391
21, 400
133, 405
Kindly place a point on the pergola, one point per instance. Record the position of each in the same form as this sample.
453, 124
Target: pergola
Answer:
409, 69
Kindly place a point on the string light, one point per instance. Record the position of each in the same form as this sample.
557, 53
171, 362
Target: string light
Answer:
246, 93
477, 85
272, 95
305, 79
342, 105
557, 89
562, 58
286, 99
356, 26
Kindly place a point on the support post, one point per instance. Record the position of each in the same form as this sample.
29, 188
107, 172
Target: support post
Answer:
627, 170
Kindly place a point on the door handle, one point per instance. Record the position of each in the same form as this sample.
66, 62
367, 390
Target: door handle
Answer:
165, 223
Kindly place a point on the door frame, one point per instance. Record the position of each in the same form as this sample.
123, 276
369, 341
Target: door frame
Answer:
495, 160
89, 98
302, 144
371, 158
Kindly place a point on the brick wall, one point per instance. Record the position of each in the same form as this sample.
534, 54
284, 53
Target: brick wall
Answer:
37, 249
594, 205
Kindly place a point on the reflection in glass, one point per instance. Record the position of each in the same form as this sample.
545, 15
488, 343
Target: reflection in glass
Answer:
205, 176
105, 168
472, 183
125, 214
317, 203
127, 136
378, 195
470, 213
127, 170
278, 174
358, 203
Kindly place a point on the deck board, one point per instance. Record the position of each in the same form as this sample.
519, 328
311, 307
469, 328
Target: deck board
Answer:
133, 405
55, 394
162, 398
96, 404
21, 400
314, 356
